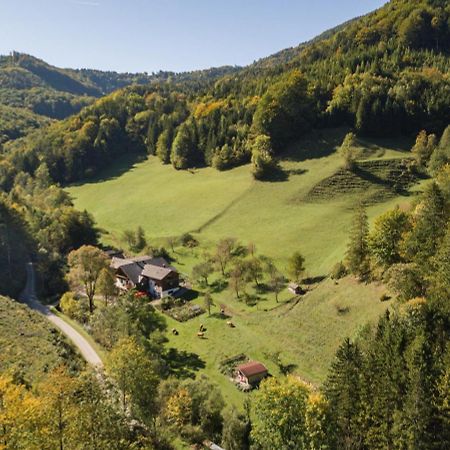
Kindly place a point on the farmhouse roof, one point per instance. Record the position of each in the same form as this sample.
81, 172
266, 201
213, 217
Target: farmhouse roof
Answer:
117, 263
156, 272
132, 271
141, 261
252, 368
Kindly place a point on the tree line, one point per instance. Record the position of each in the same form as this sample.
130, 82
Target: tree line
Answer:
385, 73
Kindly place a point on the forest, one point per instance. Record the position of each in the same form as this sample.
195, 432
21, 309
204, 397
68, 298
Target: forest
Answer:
385, 73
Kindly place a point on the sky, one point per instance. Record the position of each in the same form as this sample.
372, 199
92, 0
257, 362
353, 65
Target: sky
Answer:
175, 35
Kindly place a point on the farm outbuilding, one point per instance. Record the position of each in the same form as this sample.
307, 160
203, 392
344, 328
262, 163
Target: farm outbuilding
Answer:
295, 288
251, 373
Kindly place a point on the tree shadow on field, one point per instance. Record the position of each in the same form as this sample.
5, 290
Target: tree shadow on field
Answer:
286, 369
182, 364
218, 315
316, 144
218, 286
121, 165
262, 288
314, 280
276, 175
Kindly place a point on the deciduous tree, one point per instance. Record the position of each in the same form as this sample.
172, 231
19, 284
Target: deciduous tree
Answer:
296, 266
357, 249
85, 266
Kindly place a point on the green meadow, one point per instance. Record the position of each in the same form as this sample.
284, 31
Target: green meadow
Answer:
276, 216
279, 217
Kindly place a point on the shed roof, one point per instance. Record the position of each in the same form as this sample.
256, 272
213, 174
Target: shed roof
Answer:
252, 368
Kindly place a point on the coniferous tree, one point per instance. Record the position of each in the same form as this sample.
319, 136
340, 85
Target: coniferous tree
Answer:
343, 389
357, 249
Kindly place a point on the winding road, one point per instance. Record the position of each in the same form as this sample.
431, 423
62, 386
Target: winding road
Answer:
29, 297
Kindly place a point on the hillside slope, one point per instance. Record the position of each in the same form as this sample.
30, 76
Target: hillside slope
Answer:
278, 216
29, 345
29, 84
386, 73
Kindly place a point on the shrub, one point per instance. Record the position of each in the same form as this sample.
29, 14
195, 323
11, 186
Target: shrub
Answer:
187, 240
160, 252
338, 271
405, 280
74, 307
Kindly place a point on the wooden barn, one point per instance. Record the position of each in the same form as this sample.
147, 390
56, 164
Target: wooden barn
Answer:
251, 373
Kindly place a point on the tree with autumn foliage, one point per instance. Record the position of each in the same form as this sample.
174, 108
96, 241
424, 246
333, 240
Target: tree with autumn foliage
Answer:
85, 266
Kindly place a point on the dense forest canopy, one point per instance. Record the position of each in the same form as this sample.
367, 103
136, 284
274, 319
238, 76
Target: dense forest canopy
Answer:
384, 73
30, 85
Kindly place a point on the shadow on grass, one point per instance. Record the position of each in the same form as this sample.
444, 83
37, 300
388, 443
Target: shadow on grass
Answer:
220, 316
262, 288
276, 175
182, 364
218, 286
286, 369
314, 280
317, 144
187, 294
121, 165
252, 299
296, 171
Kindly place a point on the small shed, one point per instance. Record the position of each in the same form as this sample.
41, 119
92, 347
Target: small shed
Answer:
251, 373
295, 288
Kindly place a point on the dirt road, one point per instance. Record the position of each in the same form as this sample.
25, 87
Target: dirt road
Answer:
29, 297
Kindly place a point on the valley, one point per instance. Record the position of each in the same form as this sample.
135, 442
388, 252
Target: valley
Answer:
244, 257
278, 217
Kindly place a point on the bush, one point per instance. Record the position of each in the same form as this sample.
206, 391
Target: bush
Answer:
338, 271
405, 280
159, 252
74, 307
187, 240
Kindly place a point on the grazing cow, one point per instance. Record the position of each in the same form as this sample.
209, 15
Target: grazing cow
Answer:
175, 331
230, 324
200, 334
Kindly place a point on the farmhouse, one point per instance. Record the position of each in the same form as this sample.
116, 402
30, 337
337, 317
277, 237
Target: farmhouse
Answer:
152, 275
251, 373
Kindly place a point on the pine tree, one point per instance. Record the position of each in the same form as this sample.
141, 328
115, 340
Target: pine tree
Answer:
343, 390
357, 250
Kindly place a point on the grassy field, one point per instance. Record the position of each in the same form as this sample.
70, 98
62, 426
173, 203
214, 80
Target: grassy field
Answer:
29, 345
306, 332
273, 215
279, 217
